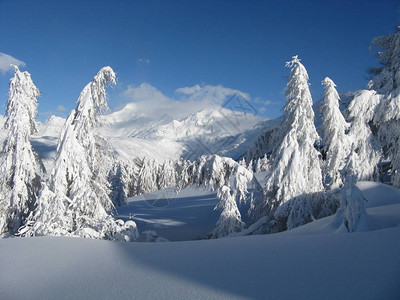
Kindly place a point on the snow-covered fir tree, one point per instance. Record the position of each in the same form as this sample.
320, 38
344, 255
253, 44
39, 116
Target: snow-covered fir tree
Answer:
257, 167
130, 171
166, 177
250, 166
116, 179
387, 84
242, 162
367, 146
335, 140
78, 186
147, 177
230, 218
296, 172
20, 166
265, 164
229, 178
184, 174
352, 202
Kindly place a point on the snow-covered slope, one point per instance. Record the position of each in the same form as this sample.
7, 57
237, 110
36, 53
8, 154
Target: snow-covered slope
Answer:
310, 262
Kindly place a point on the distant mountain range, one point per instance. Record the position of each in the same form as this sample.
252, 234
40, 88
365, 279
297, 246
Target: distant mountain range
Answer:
214, 130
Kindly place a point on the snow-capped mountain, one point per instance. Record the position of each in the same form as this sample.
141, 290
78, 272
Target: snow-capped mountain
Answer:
214, 130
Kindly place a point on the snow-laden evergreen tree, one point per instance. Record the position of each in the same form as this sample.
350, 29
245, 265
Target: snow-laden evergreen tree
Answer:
78, 185
229, 178
20, 167
250, 166
296, 172
242, 162
257, 168
352, 202
335, 140
387, 84
367, 146
230, 218
130, 171
185, 173
262, 164
147, 177
116, 179
166, 177
265, 164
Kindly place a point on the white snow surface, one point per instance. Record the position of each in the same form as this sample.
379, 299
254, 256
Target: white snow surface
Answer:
313, 261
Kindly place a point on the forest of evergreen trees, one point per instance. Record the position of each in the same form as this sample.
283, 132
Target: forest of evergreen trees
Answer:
309, 172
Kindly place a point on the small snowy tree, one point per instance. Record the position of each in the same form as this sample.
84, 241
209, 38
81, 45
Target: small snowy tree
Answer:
78, 185
230, 218
20, 166
250, 166
166, 177
258, 165
352, 209
118, 196
296, 173
242, 162
129, 177
335, 140
147, 177
264, 163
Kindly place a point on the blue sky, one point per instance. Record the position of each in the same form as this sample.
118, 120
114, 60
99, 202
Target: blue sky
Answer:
170, 45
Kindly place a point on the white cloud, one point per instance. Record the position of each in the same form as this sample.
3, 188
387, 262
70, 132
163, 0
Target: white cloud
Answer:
151, 103
215, 94
144, 92
143, 61
148, 102
261, 101
7, 60
61, 108
189, 90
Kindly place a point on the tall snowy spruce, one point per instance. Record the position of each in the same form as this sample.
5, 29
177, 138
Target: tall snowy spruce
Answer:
335, 140
77, 201
295, 175
387, 84
20, 166
367, 146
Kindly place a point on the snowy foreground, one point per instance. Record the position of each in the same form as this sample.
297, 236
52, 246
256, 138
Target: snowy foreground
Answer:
311, 262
